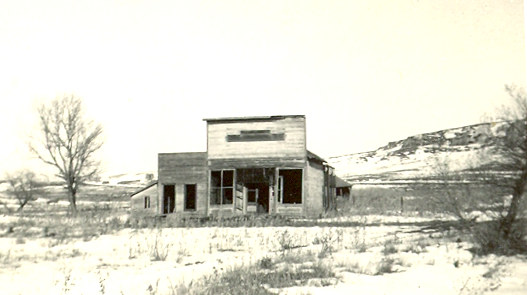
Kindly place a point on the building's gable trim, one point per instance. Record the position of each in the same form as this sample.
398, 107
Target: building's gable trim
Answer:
144, 188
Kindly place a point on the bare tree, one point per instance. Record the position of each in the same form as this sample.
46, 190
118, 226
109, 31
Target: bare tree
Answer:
513, 150
68, 142
499, 184
23, 187
466, 194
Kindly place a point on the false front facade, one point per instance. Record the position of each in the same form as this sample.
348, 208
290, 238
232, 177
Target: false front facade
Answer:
253, 165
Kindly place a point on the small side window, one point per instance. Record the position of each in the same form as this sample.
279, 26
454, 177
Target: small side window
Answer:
147, 202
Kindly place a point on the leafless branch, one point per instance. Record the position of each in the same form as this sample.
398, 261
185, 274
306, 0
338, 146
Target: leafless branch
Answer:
69, 142
23, 187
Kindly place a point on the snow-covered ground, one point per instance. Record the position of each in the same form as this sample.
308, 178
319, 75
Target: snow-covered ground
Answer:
371, 258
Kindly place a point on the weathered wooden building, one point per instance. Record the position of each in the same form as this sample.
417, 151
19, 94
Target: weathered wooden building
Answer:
252, 165
343, 188
144, 201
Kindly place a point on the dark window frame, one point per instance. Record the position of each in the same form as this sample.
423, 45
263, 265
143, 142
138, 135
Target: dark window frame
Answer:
287, 195
223, 189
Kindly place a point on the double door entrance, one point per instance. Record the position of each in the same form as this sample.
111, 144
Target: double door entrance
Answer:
261, 190
256, 197
253, 189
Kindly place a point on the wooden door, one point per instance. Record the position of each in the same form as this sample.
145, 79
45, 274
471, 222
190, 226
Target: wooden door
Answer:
239, 200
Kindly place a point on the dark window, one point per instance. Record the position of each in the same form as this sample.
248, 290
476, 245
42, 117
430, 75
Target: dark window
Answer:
147, 202
290, 186
228, 178
215, 196
256, 135
227, 195
280, 193
221, 187
215, 187
169, 198
190, 197
215, 178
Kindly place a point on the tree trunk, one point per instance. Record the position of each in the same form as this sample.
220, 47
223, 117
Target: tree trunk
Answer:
73, 200
21, 206
508, 221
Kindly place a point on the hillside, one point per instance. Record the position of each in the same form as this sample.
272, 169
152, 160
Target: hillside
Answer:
131, 179
465, 148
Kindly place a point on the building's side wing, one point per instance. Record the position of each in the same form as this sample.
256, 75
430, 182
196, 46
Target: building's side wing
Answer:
144, 201
182, 184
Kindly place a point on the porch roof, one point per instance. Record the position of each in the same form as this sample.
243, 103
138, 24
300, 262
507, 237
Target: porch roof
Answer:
341, 182
264, 162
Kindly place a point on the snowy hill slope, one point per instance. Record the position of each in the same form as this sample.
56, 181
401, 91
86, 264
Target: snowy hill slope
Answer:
416, 156
137, 179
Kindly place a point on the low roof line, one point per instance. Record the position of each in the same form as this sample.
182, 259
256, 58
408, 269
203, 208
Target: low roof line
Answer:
154, 182
311, 155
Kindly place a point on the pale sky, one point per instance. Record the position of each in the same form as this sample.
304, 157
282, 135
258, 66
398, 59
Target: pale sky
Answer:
363, 72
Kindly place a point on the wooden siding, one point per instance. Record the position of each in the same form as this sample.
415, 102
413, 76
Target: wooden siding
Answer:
222, 211
263, 162
180, 169
314, 190
138, 201
288, 209
292, 145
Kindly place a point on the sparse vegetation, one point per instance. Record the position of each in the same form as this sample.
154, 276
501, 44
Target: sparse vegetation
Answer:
265, 263
266, 277
390, 246
327, 240
286, 241
385, 266
284, 252
504, 183
23, 187
159, 247
418, 246
406, 200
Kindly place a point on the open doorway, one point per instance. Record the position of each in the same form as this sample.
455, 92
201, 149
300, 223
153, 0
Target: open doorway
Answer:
256, 183
258, 196
169, 198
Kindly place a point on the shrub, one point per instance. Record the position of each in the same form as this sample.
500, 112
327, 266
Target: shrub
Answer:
385, 266
20, 240
327, 240
489, 238
252, 280
159, 249
418, 246
286, 241
265, 263
389, 246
